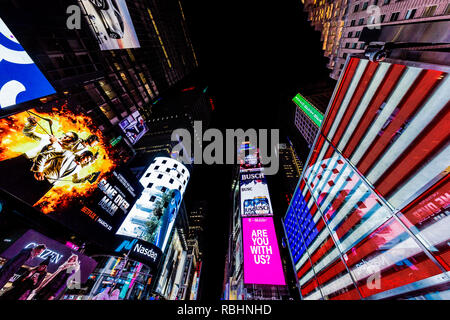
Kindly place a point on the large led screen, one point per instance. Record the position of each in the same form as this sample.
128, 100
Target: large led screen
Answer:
58, 161
255, 199
20, 78
153, 216
111, 23
381, 158
134, 127
262, 263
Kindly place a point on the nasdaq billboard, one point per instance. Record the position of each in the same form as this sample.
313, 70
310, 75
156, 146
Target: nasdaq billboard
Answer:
153, 216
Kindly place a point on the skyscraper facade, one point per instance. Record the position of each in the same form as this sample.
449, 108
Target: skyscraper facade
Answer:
341, 22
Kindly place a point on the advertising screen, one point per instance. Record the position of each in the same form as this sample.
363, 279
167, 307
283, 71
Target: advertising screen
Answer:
153, 216
56, 254
58, 161
255, 199
134, 127
111, 23
20, 78
315, 115
262, 263
139, 250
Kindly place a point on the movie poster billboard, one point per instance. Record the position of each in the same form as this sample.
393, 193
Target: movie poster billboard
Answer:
255, 198
134, 127
153, 216
138, 250
99, 216
20, 79
54, 269
111, 23
262, 262
56, 159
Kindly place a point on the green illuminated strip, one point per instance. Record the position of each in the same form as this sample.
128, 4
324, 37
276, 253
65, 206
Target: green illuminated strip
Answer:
315, 115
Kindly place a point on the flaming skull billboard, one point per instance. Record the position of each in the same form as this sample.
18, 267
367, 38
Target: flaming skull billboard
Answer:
51, 158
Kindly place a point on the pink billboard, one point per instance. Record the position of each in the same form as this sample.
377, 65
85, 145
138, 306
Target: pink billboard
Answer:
262, 263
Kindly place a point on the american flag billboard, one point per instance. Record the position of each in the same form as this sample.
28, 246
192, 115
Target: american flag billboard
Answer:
369, 218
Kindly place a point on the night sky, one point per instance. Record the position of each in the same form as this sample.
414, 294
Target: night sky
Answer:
255, 56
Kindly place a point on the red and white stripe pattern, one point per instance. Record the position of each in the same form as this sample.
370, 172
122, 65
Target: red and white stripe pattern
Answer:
390, 122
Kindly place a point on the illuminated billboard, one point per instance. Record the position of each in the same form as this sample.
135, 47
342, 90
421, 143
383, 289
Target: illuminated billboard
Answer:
58, 161
111, 23
315, 115
368, 217
153, 216
63, 265
20, 78
134, 127
255, 198
262, 262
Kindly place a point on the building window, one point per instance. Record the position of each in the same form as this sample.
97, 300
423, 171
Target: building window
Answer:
357, 34
382, 17
429, 11
350, 34
160, 176
352, 23
386, 1
447, 11
150, 185
171, 181
163, 189
394, 16
410, 14
148, 174
152, 198
354, 45
344, 55
365, 5
361, 46
342, 66
356, 8
361, 21
167, 170
164, 162
347, 44
175, 165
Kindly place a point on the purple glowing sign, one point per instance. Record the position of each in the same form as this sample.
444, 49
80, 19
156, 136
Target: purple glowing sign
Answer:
262, 263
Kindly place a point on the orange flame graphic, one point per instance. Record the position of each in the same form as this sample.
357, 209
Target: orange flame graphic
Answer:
14, 143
